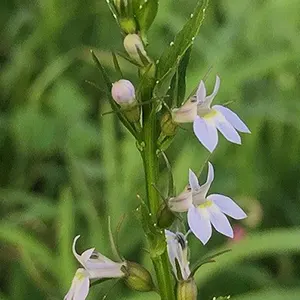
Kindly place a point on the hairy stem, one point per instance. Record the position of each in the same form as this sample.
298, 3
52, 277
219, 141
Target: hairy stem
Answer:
160, 261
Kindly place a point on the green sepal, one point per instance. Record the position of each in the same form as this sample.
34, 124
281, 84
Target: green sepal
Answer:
178, 83
206, 260
143, 59
115, 107
113, 243
145, 14
172, 56
153, 232
117, 66
129, 59
171, 186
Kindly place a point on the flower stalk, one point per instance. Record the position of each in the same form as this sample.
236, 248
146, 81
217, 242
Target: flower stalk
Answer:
151, 168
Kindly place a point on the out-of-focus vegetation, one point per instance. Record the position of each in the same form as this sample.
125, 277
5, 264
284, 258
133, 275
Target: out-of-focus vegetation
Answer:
65, 169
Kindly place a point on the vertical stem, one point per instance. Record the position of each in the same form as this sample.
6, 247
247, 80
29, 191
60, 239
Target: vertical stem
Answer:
160, 262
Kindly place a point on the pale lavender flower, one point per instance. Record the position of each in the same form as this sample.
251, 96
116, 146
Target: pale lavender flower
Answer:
178, 251
123, 92
206, 211
95, 266
207, 120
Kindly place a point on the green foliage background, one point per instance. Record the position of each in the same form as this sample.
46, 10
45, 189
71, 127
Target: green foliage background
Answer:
65, 169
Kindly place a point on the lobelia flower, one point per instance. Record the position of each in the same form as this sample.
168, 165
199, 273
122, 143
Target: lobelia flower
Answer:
178, 250
207, 120
95, 266
206, 211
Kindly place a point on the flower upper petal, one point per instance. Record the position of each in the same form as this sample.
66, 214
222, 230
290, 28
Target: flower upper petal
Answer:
201, 92
206, 132
232, 118
199, 223
78, 257
226, 129
228, 206
219, 221
210, 98
193, 181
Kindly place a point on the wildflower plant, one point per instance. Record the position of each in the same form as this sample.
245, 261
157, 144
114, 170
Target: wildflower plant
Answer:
152, 109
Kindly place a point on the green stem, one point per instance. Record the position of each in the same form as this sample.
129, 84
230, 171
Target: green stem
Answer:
151, 166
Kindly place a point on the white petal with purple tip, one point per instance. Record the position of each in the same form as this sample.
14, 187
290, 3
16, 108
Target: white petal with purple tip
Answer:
206, 133
232, 118
199, 224
228, 206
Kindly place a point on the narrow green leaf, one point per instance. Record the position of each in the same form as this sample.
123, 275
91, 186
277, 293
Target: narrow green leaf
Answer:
117, 66
146, 14
172, 56
113, 104
171, 187
113, 244
129, 59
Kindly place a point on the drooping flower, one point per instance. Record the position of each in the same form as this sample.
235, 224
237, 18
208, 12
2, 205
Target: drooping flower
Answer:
178, 251
207, 120
206, 211
95, 266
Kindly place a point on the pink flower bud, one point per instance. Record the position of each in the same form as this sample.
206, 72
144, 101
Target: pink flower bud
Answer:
123, 92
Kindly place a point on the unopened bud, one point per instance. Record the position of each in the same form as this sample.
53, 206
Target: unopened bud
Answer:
123, 92
137, 277
135, 49
125, 15
165, 217
187, 290
168, 126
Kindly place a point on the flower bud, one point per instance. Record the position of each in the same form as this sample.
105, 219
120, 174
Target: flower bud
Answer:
187, 290
125, 15
137, 277
123, 92
165, 217
135, 49
168, 126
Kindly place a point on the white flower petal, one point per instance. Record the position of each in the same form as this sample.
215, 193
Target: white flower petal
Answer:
78, 257
232, 118
219, 221
193, 180
226, 129
186, 113
106, 270
228, 206
206, 133
199, 224
211, 97
80, 286
182, 202
85, 256
201, 92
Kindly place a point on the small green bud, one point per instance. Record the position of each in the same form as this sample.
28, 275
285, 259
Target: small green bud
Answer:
187, 290
168, 126
125, 15
137, 277
165, 217
135, 49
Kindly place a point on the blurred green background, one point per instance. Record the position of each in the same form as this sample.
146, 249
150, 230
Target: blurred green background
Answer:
65, 169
